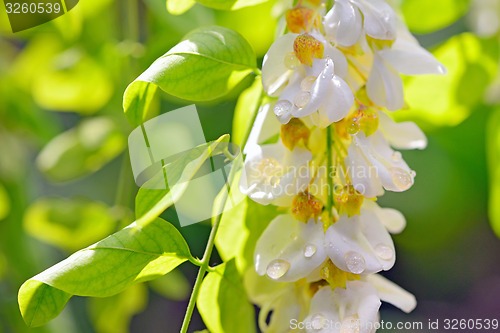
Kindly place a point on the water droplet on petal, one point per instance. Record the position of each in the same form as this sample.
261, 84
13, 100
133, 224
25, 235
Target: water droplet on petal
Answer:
396, 156
401, 178
282, 107
294, 236
277, 268
355, 262
384, 251
301, 99
309, 250
352, 128
318, 321
307, 83
291, 61
413, 173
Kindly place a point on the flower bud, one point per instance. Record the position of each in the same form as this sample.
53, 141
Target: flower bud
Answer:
348, 200
336, 277
301, 19
305, 206
293, 132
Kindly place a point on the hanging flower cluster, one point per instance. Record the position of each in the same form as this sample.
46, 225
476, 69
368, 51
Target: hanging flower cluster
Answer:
323, 151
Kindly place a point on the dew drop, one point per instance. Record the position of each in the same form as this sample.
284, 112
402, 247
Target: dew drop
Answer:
413, 173
352, 128
355, 262
307, 83
309, 250
396, 156
318, 321
291, 60
301, 99
282, 107
294, 236
401, 178
277, 268
384, 251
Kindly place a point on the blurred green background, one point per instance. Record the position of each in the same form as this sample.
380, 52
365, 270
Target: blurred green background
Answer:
63, 140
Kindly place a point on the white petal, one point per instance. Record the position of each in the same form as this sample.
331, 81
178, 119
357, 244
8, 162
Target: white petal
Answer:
384, 85
265, 127
344, 23
392, 293
319, 91
412, 59
392, 219
405, 135
339, 59
361, 235
358, 301
286, 239
340, 100
379, 18
361, 172
274, 72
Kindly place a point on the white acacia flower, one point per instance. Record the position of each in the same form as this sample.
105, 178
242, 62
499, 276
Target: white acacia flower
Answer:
276, 74
361, 244
307, 90
384, 85
274, 174
353, 309
289, 250
344, 23
373, 165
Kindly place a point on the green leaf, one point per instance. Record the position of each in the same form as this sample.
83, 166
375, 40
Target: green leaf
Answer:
69, 223
447, 100
230, 4
134, 254
246, 108
137, 101
493, 155
150, 203
222, 293
114, 314
424, 16
72, 81
241, 227
81, 150
206, 65
178, 7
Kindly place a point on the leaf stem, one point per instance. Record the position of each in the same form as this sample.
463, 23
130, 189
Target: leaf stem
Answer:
211, 239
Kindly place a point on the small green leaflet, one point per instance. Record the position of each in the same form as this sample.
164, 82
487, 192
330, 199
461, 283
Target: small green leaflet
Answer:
134, 254
223, 302
205, 65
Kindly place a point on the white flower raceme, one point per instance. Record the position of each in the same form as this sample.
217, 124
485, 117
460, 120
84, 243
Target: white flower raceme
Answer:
384, 85
316, 263
344, 23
